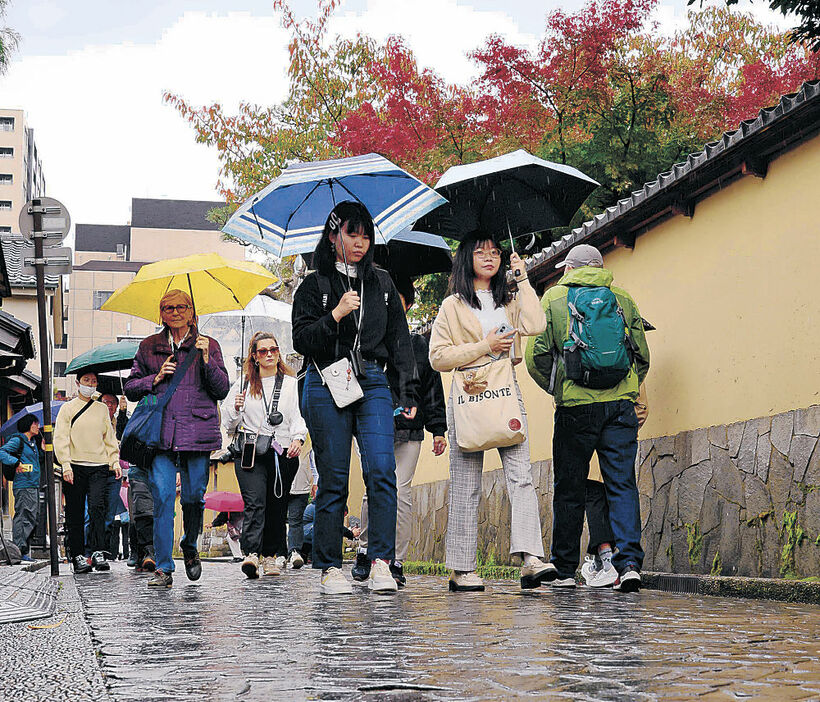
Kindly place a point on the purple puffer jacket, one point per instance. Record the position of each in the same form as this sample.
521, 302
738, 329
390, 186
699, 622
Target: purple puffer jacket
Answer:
191, 419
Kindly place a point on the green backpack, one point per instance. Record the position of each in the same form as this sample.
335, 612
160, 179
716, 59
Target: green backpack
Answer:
599, 351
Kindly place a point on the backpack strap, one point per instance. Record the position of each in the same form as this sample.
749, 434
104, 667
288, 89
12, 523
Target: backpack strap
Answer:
177, 379
324, 288
80, 413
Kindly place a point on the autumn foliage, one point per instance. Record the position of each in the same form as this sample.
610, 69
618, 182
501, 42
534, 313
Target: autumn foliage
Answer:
604, 90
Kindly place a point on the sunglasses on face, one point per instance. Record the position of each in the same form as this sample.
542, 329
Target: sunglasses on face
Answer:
170, 309
270, 351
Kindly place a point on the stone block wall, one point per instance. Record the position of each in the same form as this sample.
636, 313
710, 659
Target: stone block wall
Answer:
742, 499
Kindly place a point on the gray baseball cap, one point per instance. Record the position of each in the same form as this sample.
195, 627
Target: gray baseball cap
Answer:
582, 255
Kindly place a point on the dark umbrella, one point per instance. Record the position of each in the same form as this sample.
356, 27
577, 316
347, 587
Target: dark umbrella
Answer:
10, 426
510, 195
105, 358
411, 253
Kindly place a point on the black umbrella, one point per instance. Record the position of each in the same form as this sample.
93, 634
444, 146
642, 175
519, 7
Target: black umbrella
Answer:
509, 195
411, 254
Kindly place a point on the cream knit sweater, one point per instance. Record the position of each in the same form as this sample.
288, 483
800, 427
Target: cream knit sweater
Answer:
90, 440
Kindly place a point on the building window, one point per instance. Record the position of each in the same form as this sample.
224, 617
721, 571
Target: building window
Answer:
6, 179
5, 204
6, 124
100, 296
59, 369
6, 152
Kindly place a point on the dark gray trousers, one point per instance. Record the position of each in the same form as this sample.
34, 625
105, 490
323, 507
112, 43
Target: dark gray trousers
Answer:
296, 521
26, 511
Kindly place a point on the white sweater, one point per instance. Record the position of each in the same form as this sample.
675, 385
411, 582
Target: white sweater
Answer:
253, 418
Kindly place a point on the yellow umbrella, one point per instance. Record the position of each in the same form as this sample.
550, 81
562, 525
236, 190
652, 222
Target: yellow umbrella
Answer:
215, 284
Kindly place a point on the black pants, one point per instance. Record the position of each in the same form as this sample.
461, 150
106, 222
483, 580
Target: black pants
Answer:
141, 511
89, 482
597, 509
266, 503
119, 540
611, 430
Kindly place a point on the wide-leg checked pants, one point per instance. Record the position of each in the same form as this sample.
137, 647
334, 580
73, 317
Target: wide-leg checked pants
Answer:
465, 491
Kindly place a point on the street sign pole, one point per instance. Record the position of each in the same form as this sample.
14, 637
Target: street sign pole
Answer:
41, 219
45, 374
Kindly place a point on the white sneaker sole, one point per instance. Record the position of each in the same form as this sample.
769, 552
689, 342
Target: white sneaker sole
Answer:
604, 579
383, 587
336, 589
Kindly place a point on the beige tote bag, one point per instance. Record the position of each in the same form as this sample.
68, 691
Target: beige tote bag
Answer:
485, 407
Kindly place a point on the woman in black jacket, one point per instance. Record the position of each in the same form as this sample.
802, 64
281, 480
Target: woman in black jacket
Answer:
431, 415
350, 311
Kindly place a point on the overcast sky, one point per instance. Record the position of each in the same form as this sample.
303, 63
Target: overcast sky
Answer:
90, 75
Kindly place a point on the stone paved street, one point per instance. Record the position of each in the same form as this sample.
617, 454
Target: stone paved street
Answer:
225, 637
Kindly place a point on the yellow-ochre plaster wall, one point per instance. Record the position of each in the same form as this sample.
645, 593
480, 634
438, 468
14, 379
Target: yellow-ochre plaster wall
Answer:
735, 295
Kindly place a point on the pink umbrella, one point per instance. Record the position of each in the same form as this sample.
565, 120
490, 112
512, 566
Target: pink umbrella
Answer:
223, 501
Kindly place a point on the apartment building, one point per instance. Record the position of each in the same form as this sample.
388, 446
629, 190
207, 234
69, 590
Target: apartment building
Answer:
106, 257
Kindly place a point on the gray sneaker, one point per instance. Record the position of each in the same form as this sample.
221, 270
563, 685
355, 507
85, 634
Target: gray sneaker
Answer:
564, 582
161, 580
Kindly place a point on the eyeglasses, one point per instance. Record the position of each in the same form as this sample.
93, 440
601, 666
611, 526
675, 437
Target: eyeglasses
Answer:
170, 309
270, 351
487, 253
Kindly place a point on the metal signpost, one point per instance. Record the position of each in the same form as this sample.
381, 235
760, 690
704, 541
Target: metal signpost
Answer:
44, 220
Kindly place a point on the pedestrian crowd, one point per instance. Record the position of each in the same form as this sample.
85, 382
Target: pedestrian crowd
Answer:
366, 384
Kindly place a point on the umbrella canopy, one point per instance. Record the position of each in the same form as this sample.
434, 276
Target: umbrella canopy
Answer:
10, 426
260, 306
287, 216
509, 195
105, 358
411, 253
215, 284
222, 501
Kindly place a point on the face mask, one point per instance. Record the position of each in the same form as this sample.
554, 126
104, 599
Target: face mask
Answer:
87, 390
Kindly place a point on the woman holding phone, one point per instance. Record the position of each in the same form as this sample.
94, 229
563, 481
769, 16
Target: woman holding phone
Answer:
349, 324
479, 324
262, 407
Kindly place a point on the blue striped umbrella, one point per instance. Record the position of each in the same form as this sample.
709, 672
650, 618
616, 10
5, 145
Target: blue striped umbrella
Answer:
287, 217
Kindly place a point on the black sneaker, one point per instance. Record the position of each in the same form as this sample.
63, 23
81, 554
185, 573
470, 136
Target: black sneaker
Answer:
98, 561
132, 561
361, 569
397, 571
161, 580
629, 580
81, 564
193, 566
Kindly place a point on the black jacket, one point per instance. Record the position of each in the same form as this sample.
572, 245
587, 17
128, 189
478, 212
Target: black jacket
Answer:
385, 338
432, 411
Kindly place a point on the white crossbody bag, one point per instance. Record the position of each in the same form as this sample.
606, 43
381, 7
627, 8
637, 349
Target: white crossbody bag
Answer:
339, 377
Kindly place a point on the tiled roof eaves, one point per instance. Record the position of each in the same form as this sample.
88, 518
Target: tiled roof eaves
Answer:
12, 250
717, 164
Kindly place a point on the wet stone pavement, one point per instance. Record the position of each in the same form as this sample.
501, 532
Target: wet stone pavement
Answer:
226, 638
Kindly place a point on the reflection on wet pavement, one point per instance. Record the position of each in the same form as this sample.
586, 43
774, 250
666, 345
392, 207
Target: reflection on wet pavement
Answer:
225, 637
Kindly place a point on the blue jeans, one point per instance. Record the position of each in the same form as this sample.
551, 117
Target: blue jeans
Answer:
193, 469
332, 429
611, 429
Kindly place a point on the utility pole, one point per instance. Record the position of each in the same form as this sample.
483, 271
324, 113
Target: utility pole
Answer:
44, 219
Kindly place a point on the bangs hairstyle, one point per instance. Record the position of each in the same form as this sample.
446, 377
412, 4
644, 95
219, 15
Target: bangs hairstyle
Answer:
463, 274
186, 298
252, 369
356, 216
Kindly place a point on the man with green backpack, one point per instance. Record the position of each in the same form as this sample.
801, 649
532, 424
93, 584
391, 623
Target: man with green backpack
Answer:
592, 358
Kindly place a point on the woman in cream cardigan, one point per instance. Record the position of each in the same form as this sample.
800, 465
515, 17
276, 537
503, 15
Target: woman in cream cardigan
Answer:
466, 333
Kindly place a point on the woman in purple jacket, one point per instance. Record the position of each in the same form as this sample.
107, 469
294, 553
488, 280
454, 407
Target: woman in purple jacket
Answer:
190, 426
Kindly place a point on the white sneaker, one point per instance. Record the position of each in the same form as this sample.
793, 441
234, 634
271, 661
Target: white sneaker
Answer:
381, 579
564, 582
270, 566
335, 583
281, 564
605, 577
590, 568
295, 560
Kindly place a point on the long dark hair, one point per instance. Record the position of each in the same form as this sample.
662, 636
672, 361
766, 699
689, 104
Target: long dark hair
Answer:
356, 216
463, 273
